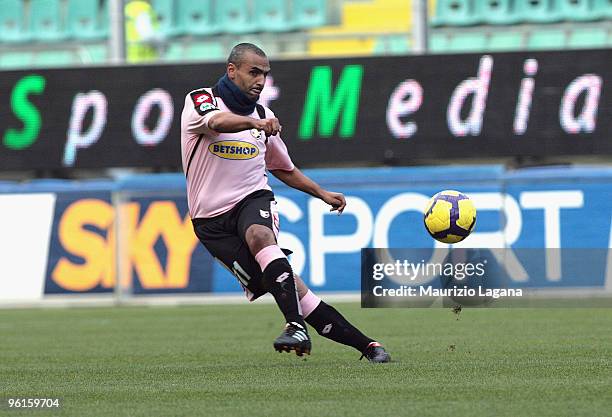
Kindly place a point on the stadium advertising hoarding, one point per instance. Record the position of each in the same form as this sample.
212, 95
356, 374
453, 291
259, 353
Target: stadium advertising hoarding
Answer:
536, 209
61, 238
161, 255
357, 110
72, 245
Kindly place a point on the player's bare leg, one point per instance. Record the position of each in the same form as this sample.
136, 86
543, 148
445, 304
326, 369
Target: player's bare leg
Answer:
329, 323
279, 281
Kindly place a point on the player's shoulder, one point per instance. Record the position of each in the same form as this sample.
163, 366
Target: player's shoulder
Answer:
200, 92
202, 99
201, 89
268, 111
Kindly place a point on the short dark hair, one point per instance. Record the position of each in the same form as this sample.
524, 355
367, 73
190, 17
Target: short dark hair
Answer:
236, 56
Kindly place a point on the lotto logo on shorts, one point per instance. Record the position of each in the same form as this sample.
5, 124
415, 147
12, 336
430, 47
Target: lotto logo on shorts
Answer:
233, 149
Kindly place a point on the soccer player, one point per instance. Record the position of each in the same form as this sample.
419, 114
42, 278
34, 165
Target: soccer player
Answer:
228, 141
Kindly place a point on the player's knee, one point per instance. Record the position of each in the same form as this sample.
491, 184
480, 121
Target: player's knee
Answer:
259, 237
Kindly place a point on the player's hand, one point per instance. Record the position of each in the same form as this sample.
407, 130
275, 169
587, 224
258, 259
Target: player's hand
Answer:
336, 200
270, 127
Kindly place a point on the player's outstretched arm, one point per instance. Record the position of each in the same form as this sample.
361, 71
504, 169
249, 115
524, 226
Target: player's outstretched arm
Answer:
227, 122
296, 179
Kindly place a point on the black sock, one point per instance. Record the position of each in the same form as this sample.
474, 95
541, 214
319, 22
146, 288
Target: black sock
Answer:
329, 323
284, 292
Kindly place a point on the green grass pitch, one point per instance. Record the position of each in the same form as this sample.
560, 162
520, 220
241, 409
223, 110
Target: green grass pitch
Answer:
219, 361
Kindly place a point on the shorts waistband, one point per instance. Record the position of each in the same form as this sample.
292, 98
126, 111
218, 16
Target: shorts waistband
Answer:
201, 221
259, 193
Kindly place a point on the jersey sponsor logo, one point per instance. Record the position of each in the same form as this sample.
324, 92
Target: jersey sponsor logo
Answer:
233, 149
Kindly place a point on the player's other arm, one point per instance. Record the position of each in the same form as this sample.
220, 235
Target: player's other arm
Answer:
227, 122
296, 179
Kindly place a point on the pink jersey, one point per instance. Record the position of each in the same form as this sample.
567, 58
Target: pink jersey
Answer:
226, 167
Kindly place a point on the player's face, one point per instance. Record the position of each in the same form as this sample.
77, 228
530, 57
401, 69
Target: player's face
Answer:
250, 75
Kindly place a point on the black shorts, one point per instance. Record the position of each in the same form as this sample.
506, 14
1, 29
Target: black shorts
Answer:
223, 236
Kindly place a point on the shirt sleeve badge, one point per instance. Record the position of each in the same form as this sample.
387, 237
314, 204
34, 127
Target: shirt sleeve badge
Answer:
203, 102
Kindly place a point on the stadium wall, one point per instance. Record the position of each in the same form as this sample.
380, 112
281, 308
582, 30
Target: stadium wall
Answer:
75, 238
